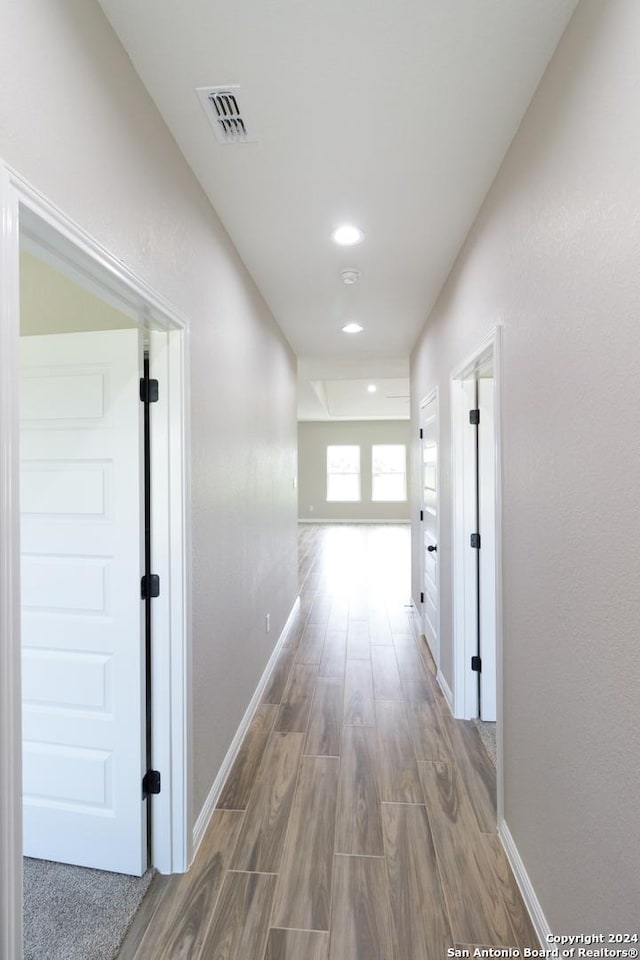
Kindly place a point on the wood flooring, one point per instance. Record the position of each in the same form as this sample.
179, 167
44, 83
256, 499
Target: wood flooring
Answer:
358, 821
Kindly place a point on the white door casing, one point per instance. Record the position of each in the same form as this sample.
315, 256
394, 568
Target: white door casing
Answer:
10, 659
27, 213
82, 636
429, 534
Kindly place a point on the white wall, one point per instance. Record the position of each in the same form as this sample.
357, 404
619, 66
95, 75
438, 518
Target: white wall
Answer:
555, 257
313, 439
77, 123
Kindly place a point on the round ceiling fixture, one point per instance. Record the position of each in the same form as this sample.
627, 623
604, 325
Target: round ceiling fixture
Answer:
347, 235
352, 328
350, 276
372, 388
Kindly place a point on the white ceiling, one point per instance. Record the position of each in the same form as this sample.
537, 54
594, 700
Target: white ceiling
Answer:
335, 389
390, 114
389, 395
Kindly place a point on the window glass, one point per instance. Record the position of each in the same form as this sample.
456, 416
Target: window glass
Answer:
343, 473
389, 472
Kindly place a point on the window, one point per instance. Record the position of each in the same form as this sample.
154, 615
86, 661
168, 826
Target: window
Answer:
389, 472
343, 473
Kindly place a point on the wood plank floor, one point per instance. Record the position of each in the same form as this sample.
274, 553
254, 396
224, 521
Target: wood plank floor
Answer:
358, 822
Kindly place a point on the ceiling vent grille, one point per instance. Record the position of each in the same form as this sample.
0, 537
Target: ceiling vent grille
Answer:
228, 119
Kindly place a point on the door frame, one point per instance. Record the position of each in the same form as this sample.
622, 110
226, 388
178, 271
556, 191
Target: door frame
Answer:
465, 702
433, 395
22, 205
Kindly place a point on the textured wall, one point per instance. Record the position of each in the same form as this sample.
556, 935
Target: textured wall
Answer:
76, 122
555, 257
313, 439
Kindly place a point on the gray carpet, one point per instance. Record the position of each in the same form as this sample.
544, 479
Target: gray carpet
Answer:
487, 731
71, 913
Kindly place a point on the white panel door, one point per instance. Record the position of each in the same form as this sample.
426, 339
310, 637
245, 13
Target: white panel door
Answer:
82, 549
429, 545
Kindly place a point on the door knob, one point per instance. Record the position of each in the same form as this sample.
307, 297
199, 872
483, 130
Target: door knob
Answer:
432, 548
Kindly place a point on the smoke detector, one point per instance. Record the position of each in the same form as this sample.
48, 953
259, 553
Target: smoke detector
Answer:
350, 276
229, 120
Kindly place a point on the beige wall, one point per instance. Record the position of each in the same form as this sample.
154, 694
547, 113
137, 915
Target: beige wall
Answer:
51, 302
555, 257
77, 123
313, 439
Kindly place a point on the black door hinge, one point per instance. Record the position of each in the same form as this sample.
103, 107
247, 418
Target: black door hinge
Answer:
422, 514
476, 664
422, 598
475, 541
149, 390
474, 417
150, 587
421, 433
151, 783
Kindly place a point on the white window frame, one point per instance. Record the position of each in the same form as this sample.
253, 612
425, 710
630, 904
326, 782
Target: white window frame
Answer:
350, 473
374, 474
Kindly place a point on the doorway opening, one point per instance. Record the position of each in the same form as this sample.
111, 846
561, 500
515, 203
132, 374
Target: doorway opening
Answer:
86, 655
475, 387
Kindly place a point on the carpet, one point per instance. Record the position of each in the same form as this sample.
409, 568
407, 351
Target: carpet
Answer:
72, 913
487, 731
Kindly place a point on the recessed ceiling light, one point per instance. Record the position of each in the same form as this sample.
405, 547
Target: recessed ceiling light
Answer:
350, 276
347, 235
372, 388
352, 328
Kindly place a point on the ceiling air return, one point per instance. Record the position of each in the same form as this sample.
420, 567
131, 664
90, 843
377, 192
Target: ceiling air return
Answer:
228, 119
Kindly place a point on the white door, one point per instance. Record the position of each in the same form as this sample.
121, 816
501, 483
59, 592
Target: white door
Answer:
429, 539
487, 552
83, 651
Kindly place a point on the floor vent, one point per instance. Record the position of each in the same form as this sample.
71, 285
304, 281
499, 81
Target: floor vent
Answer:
228, 119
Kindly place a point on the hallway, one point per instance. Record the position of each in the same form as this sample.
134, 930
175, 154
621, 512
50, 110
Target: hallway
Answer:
358, 822
404, 188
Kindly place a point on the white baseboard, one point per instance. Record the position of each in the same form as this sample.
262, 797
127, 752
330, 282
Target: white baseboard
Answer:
324, 520
531, 902
206, 813
416, 624
446, 689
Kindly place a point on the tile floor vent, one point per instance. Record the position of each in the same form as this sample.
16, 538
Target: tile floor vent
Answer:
226, 115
